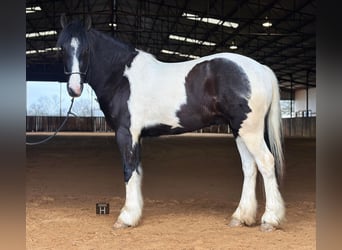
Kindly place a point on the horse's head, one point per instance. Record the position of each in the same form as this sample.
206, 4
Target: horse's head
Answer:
73, 41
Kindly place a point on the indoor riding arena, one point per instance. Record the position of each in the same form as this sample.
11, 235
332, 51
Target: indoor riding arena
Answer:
192, 182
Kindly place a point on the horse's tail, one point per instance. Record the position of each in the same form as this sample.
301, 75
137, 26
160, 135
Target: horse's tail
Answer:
273, 133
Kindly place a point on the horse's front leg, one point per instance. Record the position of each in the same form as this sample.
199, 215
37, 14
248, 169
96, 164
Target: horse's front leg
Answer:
132, 210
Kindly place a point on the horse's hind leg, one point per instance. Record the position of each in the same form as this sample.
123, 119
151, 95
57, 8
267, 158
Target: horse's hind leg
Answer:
245, 213
275, 210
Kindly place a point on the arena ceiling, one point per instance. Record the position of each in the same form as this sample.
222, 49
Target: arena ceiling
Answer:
178, 30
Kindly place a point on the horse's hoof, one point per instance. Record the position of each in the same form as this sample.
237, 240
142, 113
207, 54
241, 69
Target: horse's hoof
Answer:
266, 227
119, 225
235, 223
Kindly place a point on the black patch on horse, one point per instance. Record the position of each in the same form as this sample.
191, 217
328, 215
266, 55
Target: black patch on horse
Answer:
217, 92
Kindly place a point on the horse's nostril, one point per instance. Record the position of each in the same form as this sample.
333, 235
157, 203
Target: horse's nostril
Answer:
74, 93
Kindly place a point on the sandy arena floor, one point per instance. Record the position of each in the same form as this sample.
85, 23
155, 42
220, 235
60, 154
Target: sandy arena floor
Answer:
191, 186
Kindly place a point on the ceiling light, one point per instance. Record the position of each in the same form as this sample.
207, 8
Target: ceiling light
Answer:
33, 9
42, 50
41, 33
233, 46
191, 40
210, 20
31, 52
170, 52
267, 23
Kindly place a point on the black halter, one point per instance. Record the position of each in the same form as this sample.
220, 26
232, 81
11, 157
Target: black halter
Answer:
77, 72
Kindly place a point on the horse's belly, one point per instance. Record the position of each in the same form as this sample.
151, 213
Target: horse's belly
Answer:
162, 129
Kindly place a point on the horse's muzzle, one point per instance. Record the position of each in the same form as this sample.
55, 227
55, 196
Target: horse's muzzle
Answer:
75, 85
75, 93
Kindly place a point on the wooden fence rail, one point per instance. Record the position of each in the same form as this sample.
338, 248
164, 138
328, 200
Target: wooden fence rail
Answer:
299, 126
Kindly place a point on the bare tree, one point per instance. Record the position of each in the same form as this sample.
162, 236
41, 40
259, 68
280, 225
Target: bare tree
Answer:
45, 106
82, 107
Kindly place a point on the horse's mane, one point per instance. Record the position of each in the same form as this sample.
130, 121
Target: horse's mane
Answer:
116, 51
77, 29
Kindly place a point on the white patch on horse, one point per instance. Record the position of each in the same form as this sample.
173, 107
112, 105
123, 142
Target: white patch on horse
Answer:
132, 211
157, 93
75, 79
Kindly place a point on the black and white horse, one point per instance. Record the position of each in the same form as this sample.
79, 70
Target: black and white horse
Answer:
141, 96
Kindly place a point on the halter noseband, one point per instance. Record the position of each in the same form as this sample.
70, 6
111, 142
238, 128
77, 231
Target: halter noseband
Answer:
78, 72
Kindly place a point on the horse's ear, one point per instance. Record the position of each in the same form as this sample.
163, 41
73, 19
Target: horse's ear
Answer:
63, 20
87, 23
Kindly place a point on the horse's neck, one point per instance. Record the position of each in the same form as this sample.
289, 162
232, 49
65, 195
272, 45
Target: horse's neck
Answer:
108, 61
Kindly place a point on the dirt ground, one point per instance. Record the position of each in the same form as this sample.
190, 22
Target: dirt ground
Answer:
192, 185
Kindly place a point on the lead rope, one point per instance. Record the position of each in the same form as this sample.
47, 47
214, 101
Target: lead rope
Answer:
58, 129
